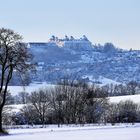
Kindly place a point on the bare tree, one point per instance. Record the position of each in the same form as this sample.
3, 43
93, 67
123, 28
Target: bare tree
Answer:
57, 97
22, 98
67, 102
132, 87
112, 113
13, 57
74, 103
40, 104
96, 103
127, 111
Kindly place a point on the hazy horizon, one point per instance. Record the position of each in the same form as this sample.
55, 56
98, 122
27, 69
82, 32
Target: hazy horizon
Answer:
101, 21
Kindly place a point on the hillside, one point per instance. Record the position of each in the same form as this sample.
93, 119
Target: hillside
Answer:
80, 59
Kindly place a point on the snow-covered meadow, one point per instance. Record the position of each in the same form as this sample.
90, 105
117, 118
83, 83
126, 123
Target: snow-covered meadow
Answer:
117, 99
118, 132
14, 90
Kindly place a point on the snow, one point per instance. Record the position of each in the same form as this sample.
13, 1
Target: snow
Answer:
117, 99
106, 81
14, 90
122, 132
14, 108
101, 80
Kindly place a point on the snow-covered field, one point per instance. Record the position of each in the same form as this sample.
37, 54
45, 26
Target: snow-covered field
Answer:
117, 99
101, 81
14, 90
119, 132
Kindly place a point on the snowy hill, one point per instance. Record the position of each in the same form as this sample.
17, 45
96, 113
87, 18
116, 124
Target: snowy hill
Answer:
80, 59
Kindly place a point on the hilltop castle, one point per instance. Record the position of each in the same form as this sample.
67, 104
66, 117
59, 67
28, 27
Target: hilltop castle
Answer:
68, 43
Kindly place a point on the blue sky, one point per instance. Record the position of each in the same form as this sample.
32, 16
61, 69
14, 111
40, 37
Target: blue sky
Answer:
116, 21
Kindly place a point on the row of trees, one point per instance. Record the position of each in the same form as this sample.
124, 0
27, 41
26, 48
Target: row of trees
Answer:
69, 102
123, 112
74, 103
130, 88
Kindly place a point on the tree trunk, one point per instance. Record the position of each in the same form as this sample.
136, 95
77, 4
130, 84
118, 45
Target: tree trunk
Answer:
1, 129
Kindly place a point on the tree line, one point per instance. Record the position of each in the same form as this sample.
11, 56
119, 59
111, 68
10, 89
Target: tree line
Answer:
131, 88
73, 103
